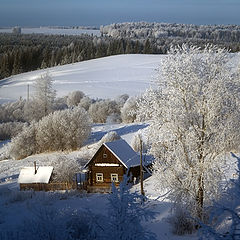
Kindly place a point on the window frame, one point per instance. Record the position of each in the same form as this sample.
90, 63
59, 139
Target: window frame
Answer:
104, 155
114, 175
99, 175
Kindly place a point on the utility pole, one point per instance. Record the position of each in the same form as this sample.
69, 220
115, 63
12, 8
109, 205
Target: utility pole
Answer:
141, 168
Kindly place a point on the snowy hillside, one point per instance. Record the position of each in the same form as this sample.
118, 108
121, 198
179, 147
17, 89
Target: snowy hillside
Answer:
107, 77
99, 78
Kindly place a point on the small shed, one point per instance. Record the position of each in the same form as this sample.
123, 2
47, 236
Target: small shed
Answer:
30, 177
40, 179
109, 164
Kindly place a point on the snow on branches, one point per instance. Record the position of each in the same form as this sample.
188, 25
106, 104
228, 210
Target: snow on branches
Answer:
61, 130
193, 123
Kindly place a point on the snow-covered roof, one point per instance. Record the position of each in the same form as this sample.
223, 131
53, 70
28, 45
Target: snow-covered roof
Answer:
27, 175
123, 152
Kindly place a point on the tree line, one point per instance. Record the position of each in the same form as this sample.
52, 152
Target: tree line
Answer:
140, 30
27, 52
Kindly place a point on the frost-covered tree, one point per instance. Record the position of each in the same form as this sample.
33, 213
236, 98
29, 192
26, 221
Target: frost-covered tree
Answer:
194, 123
74, 98
122, 99
147, 105
224, 220
44, 95
60, 103
65, 169
137, 140
31, 112
10, 129
99, 111
109, 137
129, 110
63, 130
12, 111
24, 144
85, 103
125, 215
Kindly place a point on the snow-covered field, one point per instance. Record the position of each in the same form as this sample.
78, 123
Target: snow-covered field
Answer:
54, 31
103, 78
99, 78
106, 77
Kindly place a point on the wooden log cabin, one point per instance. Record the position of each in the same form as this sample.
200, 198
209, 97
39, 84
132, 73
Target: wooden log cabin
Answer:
109, 164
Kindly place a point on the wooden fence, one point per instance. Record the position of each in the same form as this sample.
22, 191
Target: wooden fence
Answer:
48, 186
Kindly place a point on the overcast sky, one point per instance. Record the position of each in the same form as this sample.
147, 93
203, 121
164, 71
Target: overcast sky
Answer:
101, 12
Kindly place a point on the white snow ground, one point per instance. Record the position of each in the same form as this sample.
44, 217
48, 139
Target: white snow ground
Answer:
99, 78
104, 78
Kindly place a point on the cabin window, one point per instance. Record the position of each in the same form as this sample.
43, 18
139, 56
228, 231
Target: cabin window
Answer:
104, 155
114, 177
99, 177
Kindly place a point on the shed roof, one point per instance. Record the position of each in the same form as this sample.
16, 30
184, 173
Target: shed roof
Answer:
27, 175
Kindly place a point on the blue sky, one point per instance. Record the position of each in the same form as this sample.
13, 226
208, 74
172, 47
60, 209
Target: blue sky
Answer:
101, 12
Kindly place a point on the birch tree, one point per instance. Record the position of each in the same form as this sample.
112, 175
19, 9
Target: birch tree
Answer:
194, 121
44, 95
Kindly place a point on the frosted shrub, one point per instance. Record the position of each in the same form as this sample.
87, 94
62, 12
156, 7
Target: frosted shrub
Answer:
46, 223
24, 144
99, 111
114, 118
136, 143
13, 111
109, 137
182, 223
85, 103
63, 130
31, 112
129, 110
10, 129
65, 169
4, 151
125, 215
122, 99
79, 225
74, 98
60, 104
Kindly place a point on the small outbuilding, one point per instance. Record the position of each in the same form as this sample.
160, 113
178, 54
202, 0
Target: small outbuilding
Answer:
31, 177
109, 164
40, 179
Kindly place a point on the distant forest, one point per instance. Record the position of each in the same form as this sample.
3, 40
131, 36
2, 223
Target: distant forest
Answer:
27, 52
